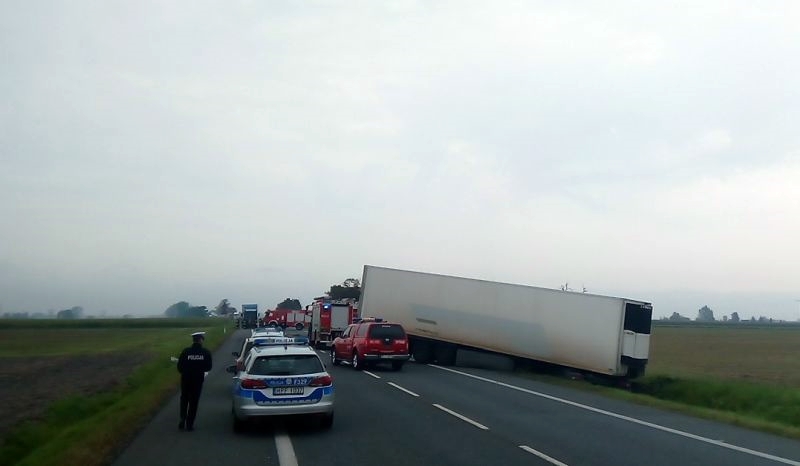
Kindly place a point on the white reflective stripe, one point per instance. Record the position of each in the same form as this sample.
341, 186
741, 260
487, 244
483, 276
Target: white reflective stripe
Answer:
462, 417
542, 455
286, 455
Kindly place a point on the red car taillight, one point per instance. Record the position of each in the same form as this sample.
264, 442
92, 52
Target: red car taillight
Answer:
323, 381
253, 384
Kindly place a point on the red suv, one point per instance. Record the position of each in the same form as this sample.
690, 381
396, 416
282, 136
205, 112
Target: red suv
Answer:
371, 341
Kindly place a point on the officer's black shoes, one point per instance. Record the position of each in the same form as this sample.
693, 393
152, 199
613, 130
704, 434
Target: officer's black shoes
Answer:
190, 429
181, 425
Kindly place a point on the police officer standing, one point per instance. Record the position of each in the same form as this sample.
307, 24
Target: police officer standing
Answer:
193, 364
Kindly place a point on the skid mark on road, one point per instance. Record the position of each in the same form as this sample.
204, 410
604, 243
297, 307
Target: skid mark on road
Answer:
699, 438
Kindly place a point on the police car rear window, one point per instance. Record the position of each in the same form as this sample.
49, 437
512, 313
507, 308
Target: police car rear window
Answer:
386, 331
286, 365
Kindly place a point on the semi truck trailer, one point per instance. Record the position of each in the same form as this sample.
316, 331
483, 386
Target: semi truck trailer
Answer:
444, 314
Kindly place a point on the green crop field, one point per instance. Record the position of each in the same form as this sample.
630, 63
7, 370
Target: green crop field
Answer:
113, 375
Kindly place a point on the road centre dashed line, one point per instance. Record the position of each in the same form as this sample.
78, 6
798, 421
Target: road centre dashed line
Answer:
542, 455
283, 444
373, 375
627, 418
402, 389
462, 417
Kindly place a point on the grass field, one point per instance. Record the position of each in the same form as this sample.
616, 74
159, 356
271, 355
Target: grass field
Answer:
742, 374
113, 375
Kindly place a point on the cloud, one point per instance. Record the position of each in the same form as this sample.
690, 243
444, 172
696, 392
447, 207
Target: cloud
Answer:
194, 151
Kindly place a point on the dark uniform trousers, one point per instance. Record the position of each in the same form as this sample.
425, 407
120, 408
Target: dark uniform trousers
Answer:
191, 387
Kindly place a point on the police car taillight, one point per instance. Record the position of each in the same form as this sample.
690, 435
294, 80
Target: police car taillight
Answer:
253, 384
322, 381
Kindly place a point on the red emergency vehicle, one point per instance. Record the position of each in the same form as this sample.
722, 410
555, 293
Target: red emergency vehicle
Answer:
284, 318
329, 318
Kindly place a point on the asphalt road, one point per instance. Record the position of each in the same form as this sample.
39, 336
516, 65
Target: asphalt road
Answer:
450, 416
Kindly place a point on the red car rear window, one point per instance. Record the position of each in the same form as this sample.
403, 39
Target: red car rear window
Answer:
382, 331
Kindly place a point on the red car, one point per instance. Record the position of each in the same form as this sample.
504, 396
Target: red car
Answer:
369, 342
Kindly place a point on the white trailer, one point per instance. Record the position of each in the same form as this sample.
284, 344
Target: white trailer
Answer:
599, 334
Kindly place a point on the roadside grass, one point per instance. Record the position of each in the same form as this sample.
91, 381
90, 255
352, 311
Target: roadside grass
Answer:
743, 376
91, 430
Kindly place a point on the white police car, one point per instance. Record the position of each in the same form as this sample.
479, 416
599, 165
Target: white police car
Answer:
267, 332
280, 377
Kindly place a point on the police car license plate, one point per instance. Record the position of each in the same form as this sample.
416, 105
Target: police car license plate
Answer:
287, 391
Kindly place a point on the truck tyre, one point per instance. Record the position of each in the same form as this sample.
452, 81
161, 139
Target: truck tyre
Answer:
334, 360
422, 352
357, 363
298, 326
445, 354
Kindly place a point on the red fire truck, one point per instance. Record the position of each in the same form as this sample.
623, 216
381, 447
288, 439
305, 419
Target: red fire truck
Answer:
284, 318
329, 318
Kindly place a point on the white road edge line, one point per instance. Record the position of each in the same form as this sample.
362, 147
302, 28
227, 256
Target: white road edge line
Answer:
283, 444
370, 373
462, 417
628, 418
402, 389
542, 455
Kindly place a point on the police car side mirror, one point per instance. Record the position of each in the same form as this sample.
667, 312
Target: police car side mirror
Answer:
235, 354
231, 369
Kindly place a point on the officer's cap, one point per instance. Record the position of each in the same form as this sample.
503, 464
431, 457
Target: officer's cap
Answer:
198, 335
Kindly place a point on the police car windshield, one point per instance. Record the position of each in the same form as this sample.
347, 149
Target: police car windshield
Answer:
386, 331
297, 364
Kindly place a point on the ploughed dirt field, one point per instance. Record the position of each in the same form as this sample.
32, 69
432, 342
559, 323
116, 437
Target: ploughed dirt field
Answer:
28, 385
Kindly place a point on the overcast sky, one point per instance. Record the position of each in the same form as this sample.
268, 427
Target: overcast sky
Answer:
153, 152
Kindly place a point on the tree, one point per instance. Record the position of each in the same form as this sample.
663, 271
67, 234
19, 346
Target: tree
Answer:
675, 317
290, 303
184, 309
349, 289
705, 314
223, 308
75, 312
735, 317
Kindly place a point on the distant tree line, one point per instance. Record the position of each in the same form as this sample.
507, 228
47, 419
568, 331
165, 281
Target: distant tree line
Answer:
706, 314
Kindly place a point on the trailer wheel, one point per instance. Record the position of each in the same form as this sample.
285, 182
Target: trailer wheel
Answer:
298, 326
422, 352
445, 354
